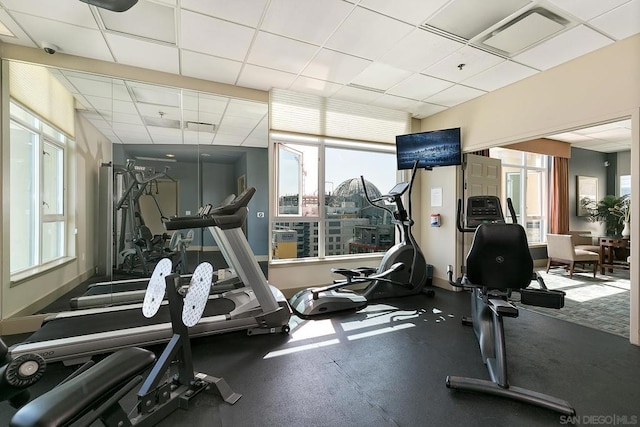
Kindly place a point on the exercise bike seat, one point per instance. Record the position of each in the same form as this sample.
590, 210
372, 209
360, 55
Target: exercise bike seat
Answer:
72, 399
499, 258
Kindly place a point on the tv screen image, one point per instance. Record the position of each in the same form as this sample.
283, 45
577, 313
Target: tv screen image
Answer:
430, 149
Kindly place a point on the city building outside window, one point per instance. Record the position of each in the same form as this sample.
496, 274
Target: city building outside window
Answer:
37, 191
320, 205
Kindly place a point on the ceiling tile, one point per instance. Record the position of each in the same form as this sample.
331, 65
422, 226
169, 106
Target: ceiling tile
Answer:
21, 38
393, 102
65, 11
227, 139
104, 88
367, 34
132, 119
71, 39
353, 94
380, 76
424, 109
419, 50
246, 12
204, 102
262, 78
501, 75
161, 135
587, 10
254, 111
314, 86
146, 54
311, 21
572, 43
280, 53
419, 86
473, 61
204, 34
149, 20
622, 22
335, 66
208, 67
196, 138
412, 11
155, 111
124, 107
454, 95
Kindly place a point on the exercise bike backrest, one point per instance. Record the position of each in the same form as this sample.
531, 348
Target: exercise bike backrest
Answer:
499, 256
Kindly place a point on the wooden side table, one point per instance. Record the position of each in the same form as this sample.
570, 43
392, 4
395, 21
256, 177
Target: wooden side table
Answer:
608, 245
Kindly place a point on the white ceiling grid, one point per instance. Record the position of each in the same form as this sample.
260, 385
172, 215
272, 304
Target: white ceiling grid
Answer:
417, 56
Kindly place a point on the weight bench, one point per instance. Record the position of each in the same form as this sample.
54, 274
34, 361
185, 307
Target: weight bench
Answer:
107, 381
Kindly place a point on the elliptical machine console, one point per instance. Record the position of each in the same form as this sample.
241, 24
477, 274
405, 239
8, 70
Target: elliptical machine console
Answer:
402, 271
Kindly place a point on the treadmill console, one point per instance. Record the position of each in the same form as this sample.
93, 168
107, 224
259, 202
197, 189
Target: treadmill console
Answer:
483, 210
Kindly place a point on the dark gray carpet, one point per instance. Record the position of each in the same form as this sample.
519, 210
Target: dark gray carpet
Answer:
387, 367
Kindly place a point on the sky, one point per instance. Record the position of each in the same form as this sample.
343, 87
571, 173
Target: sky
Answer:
341, 164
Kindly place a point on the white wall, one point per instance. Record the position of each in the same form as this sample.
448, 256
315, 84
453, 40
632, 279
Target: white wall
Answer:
599, 87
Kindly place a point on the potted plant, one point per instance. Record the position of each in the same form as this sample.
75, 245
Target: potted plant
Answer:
614, 212
623, 211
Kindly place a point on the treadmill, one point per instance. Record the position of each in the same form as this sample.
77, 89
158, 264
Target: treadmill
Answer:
73, 337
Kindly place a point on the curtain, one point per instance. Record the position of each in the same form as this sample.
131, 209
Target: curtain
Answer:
559, 196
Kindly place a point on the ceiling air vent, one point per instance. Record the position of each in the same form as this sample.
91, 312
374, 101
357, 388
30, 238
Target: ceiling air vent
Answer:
161, 122
524, 31
200, 126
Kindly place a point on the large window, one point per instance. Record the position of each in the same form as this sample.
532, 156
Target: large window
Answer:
37, 183
321, 209
525, 181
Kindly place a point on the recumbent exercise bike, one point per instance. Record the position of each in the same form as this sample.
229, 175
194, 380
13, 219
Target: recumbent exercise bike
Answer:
499, 263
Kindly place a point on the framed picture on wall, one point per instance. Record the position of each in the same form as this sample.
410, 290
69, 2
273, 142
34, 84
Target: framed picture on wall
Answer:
586, 194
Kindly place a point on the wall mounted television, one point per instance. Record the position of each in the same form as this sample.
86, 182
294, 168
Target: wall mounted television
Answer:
430, 149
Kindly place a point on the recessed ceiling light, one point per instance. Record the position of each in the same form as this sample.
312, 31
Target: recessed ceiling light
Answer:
171, 156
205, 154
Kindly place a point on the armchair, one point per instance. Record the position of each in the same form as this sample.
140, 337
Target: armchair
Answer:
560, 250
582, 239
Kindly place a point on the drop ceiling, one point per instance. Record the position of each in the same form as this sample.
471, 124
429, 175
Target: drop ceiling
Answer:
417, 56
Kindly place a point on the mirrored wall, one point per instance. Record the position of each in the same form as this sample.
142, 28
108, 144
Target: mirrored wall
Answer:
139, 154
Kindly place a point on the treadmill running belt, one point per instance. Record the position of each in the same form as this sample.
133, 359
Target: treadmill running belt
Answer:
104, 322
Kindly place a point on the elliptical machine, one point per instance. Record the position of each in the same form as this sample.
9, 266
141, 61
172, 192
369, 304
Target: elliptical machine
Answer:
402, 271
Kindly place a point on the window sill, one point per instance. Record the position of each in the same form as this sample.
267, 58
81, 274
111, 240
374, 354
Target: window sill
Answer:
328, 260
32, 273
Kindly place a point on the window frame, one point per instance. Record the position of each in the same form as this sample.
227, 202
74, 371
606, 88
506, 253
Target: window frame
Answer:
322, 143
47, 135
524, 171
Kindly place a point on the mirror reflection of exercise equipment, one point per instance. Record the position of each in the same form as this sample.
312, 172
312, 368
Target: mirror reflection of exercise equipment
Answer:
137, 247
498, 264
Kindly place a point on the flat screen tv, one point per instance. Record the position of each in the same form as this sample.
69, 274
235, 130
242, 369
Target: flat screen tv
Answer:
430, 149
